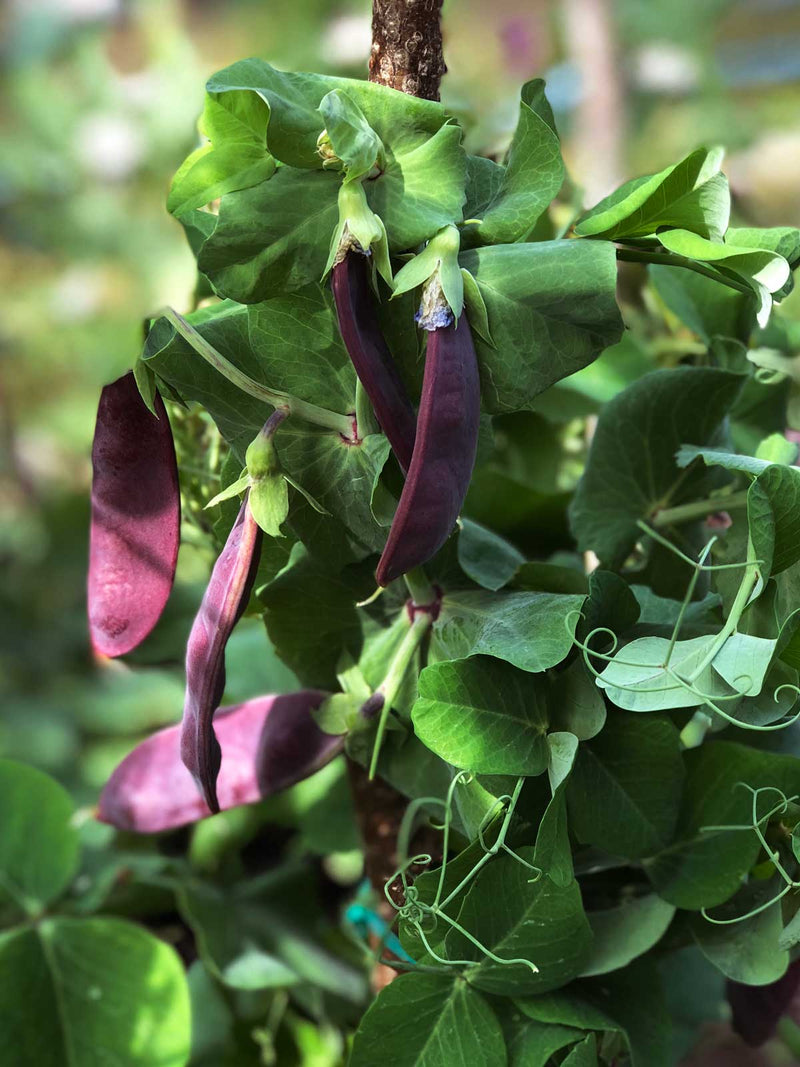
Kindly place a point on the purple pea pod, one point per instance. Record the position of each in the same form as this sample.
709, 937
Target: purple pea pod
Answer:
757, 1010
223, 603
373, 362
444, 453
136, 518
151, 790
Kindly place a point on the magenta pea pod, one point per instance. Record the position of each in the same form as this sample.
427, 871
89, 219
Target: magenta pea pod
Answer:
757, 1010
223, 603
151, 790
444, 453
136, 519
373, 362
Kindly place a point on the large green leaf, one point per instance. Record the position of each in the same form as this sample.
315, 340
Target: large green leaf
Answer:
760, 265
531, 1044
235, 157
553, 852
551, 309
486, 557
293, 99
272, 238
705, 306
704, 867
691, 195
38, 845
519, 919
483, 715
773, 516
90, 992
625, 789
631, 470
427, 1020
532, 175
630, 1001
748, 951
623, 933
312, 619
531, 630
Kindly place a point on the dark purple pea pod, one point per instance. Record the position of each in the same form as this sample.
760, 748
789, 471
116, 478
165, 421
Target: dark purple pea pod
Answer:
151, 790
373, 362
757, 1010
136, 519
223, 603
444, 453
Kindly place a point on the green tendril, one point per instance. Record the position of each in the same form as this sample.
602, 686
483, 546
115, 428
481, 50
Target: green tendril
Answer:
415, 912
772, 854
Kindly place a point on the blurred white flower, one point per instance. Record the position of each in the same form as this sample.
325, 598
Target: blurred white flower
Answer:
110, 146
348, 39
77, 294
663, 67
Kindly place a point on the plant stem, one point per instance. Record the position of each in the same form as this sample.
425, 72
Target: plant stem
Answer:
694, 732
391, 684
672, 259
748, 583
331, 420
698, 509
419, 587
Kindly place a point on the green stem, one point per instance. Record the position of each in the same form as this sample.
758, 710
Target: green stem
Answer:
331, 420
394, 679
366, 423
698, 509
419, 587
672, 259
747, 586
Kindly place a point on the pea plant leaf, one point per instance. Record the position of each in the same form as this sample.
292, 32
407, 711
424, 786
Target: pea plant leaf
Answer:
38, 847
483, 715
103, 987
533, 173
691, 195
627, 931
293, 99
272, 238
760, 265
234, 156
427, 1020
746, 951
631, 470
551, 310
624, 791
553, 852
485, 557
704, 865
706, 307
519, 919
530, 630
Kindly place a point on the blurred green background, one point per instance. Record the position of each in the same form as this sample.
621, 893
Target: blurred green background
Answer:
98, 105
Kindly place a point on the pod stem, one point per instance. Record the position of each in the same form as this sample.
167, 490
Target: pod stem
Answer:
398, 669
421, 591
292, 405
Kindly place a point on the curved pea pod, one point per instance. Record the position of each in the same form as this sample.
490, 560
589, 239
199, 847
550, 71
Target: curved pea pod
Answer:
151, 790
136, 519
444, 453
373, 362
224, 601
